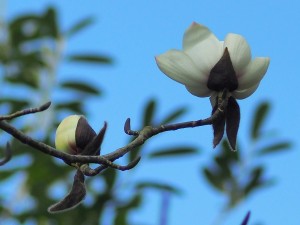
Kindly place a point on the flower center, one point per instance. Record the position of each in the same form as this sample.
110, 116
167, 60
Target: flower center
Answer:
222, 75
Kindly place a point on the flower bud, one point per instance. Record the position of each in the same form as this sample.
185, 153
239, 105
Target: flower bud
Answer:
73, 134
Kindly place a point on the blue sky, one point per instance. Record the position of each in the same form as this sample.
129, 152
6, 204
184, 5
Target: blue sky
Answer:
133, 32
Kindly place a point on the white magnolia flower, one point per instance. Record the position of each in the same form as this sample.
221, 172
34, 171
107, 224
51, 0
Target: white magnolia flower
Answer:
202, 50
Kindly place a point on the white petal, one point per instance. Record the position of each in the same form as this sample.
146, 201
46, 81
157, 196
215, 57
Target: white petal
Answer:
179, 67
200, 90
206, 53
239, 51
65, 133
254, 72
194, 34
241, 94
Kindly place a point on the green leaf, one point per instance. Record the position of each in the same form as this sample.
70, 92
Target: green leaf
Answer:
80, 26
50, 25
259, 117
110, 176
79, 86
90, 58
254, 181
213, 179
174, 115
224, 165
18, 33
282, 146
158, 186
74, 106
149, 113
228, 153
15, 104
171, 152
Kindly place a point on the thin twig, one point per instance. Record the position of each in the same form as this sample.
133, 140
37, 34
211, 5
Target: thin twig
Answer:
26, 111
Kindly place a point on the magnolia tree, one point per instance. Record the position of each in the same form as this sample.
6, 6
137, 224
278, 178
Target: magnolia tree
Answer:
221, 70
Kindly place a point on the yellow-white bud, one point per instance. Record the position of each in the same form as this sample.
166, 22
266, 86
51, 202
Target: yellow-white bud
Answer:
73, 134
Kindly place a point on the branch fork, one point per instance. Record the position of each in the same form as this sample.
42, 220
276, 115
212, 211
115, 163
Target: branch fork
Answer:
82, 160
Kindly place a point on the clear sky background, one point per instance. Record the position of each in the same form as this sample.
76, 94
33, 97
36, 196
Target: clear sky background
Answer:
133, 32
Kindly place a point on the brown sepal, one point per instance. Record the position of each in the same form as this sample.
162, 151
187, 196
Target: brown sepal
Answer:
94, 146
222, 75
218, 127
75, 196
232, 121
84, 134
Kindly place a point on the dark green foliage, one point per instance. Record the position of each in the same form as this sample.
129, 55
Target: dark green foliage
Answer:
149, 113
259, 118
90, 58
158, 186
82, 87
81, 25
173, 152
274, 148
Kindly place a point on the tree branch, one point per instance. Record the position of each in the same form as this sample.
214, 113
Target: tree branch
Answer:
105, 161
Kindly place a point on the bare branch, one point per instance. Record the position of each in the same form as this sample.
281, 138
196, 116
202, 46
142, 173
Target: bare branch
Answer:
105, 161
26, 111
92, 172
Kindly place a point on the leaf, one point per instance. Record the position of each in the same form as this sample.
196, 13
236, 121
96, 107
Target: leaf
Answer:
74, 106
90, 58
149, 113
174, 115
227, 153
158, 186
17, 32
224, 165
254, 181
110, 176
79, 26
213, 179
79, 86
15, 104
282, 146
171, 152
122, 214
50, 25
259, 117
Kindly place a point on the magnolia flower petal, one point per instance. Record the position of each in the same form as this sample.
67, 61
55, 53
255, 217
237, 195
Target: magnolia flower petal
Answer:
65, 133
253, 73
179, 67
195, 34
206, 53
241, 94
239, 51
200, 90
